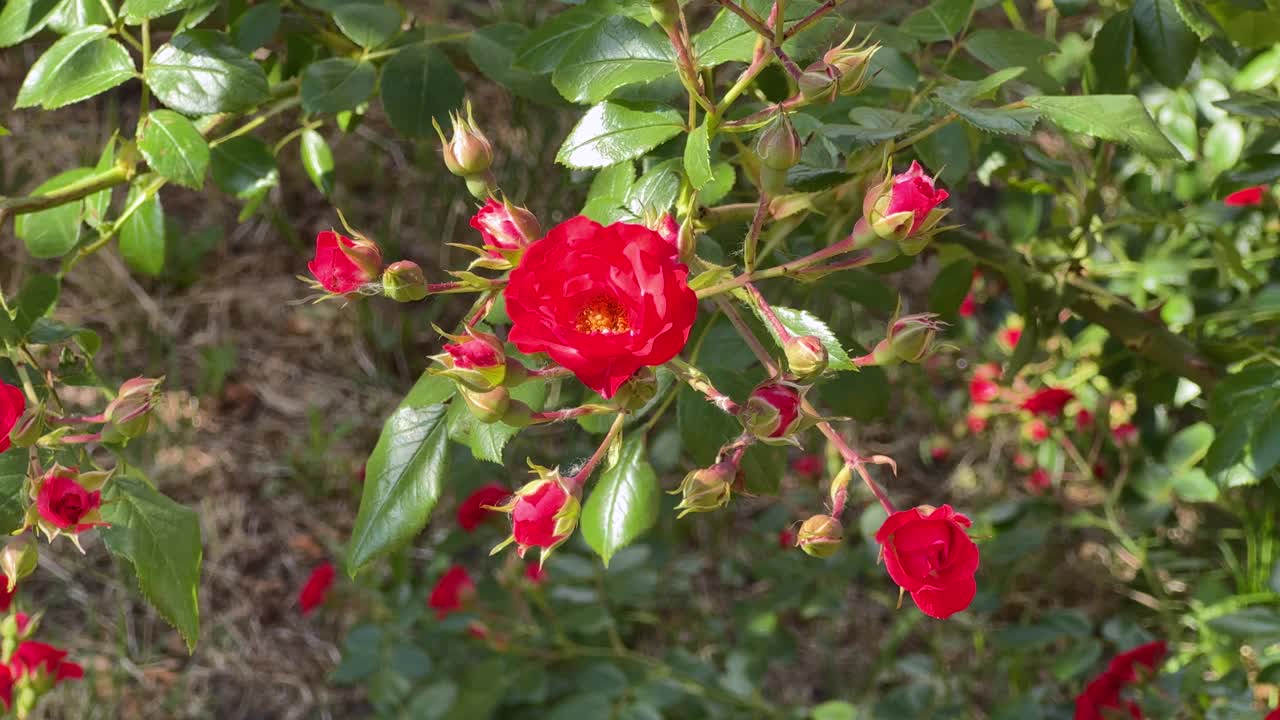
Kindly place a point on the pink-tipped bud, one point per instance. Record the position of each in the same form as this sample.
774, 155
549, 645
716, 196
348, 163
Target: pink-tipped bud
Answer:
476, 360
404, 281
779, 147
130, 412
27, 428
543, 513
487, 407
819, 83
506, 229
706, 489
853, 65
904, 208
468, 152
18, 560
806, 355
773, 412
820, 536
911, 337
365, 254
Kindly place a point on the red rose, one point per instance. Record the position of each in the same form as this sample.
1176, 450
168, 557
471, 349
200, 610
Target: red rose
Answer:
1048, 402
1009, 337
505, 227
1246, 197
601, 301
983, 391
12, 404
6, 687
809, 465
928, 553
909, 192
316, 589
1125, 435
1103, 692
1036, 431
968, 306
451, 592
33, 657
335, 268
1139, 663
1273, 715
1039, 481
533, 519
64, 503
939, 453
1084, 420
786, 538
473, 510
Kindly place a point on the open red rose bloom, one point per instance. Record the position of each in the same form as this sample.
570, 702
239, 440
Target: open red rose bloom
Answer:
929, 554
601, 301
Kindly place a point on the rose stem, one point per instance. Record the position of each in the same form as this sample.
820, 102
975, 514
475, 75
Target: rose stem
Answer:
580, 478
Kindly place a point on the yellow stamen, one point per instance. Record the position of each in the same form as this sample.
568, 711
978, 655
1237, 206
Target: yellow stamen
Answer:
603, 316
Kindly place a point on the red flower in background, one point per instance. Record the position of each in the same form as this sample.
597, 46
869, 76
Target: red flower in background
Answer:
63, 503
1103, 692
1273, 715
1084, 420
975, 423
333, 268
786, 538
1039, 481
1048, 402
1036, 431
808, 465
6, 595
968, 306
316, 588
534, 573
1125, 435
928, 553
12, 404
6, 687
451, 592
601, 301
1245, 198
472, 510
33, 657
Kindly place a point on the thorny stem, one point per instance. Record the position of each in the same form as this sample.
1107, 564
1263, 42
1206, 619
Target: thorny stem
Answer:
854, 460
550, 416
549, 373
859, 235
748, 17
747, 335
784, 334
753, 234
699, 381
580, 478
809, 19
790, 65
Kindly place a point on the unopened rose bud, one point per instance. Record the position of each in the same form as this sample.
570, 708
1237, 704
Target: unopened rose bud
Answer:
820, 536
706, 489
468, 153
365, 254
476, 360
904, 208
806, 355
819, 83
18, 560
666, 13
404, 281
506, 229
638, 390
130, 412
772, 413
911, 337
487, 407
779, 147
543, 513
852, 64
27, 428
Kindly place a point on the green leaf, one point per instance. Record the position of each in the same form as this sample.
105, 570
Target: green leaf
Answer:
367, 25
624, 503
1111, 56
613, 183
142, 236
612, 132
950, 287
196, 14
1005, 121
135, 11
548, 44
317, 160
1119, 118
1265, 106
871, 125
13, 496
1245, 411
1261, 72
948, 151
419, 84
802, 322
1165, 44
618, 51
52, 233
403, 479
256, 25
656, 190
834, 710
488, 440
244, 167
174, 148
1000, 49
337, 84
199, 72
941, 20
1223, 145
863, 396
723, 176
38, 296
492, 49
697, 158
1256, 625
21, 19
74, 68
161, 539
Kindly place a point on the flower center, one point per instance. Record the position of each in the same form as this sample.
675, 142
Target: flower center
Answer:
603, 316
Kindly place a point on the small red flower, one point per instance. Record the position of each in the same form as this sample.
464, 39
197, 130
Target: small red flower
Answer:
983, 391
478, 630
939, 453
533, 519
333, 268
33, 657
968, 306
316, 588
1038, 481
1084, 419
808, 465
1125, 435
6, 687
6, 595
1009, 337
1140, 662
12, 404
786, 538
1036, 431
929, 554
601, 301
534, 572
1048, 402
908, 192
1103, 692
1023, 461
1245, 198
64, 503
473, 354
976, 423
451, 592
772, 410
505, 227
473, 510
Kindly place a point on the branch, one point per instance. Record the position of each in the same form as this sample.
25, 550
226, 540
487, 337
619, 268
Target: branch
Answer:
748, 17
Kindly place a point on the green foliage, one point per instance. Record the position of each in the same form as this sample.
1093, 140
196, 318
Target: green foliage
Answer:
78, 66
174, 148
624, 503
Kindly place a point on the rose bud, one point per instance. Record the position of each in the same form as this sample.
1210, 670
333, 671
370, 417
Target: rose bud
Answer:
17, 627
339, 267
819, 83
534, 573
806, 355
968, 307
476, 360
602, 302
506, 230
1048, 402
929, 554
44, 666
1084, 419
487, 407
983, 391
976, 423
904, 208
18, 560
786, 538
468, 153
809, 465
1247, 197
706, 489
543, 513
666, 13
452, 592
67, 502
1036, 431
638, 390
1125, 435
773, 413
130, 412
1039, 481
1009, 338
26, 430
853, 65
779, 147
1023, 461
404, 281
911, 337
475, 508
820, 536
316, 588
13, 403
